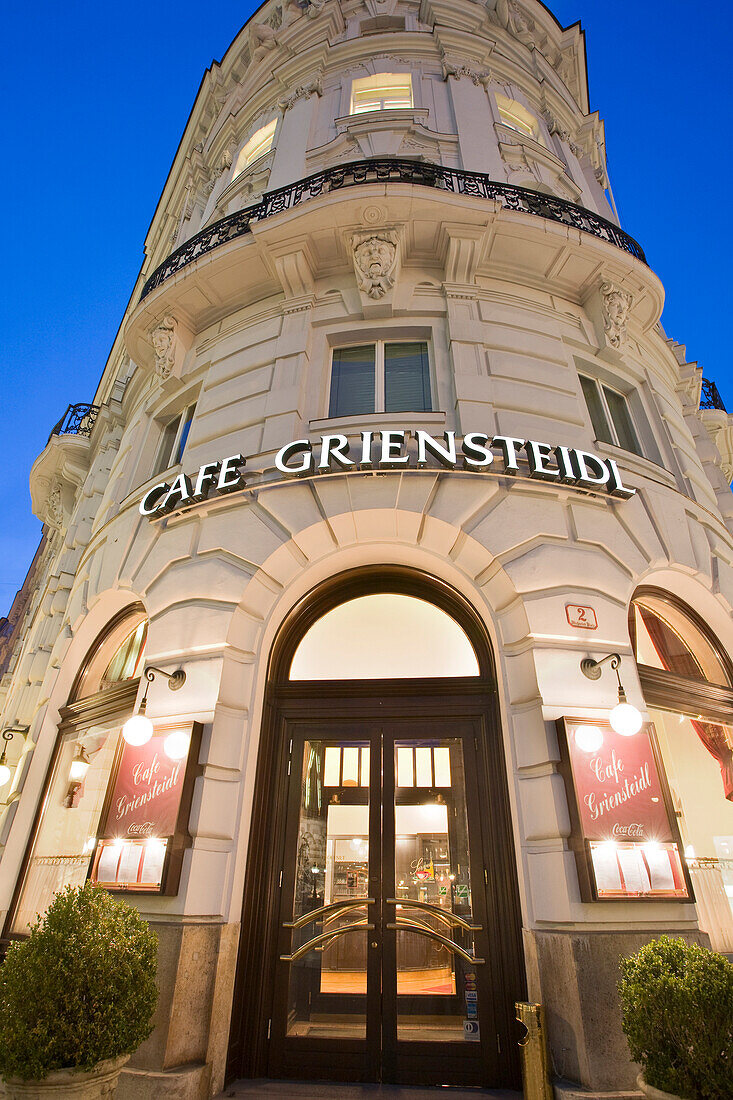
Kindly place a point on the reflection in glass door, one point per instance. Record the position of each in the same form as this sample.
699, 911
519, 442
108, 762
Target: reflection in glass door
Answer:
382, 941
330, 923
432, 917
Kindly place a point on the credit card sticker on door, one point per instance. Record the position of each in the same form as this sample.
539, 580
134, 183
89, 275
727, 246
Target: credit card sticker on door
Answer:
471, 1030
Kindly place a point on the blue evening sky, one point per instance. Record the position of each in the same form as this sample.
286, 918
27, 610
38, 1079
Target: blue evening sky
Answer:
94, 100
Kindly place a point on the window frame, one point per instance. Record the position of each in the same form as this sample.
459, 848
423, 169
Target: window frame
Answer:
405, 78
669, 691
174, 458
513, 119
600, 387
379, 345
244, 161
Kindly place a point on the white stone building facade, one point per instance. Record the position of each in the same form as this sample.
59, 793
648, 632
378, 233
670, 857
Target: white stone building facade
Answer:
387, 216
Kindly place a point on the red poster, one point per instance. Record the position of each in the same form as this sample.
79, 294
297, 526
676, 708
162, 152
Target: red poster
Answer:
617, 783
147, 792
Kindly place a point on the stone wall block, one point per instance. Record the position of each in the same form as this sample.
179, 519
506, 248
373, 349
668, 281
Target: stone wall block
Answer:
544, 807
227, 734
214, 576
506, 525
242, 531
459, 500
599, 525
530, 570
579, 972
198, 624
170, 544
553, 885
218, 810
535, 741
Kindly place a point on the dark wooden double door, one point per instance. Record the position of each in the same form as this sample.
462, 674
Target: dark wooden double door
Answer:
390, 959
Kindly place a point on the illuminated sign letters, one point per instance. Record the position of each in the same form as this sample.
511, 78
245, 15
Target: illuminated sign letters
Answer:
391, 449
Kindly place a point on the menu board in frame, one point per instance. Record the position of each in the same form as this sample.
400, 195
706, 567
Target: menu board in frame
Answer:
144, 824
624, 829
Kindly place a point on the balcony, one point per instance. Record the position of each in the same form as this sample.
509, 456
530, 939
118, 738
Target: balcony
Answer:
62, 465
381, 172
77, 420
710, 397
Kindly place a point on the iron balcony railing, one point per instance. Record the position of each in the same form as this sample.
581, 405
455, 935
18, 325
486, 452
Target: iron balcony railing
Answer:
391, 171
710, 397
77, 420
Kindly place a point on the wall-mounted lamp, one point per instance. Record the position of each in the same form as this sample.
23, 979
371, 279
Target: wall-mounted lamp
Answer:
139, 729
7, 736
624, 718
79, 765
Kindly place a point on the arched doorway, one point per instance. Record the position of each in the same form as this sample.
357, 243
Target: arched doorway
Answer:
381, 930
687, 680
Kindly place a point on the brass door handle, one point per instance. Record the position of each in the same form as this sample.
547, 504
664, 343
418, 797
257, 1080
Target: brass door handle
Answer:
404, 925
335, 907
326, 937
451, 919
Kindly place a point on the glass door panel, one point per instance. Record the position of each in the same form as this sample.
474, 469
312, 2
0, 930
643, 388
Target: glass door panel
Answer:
330, 923
432, 907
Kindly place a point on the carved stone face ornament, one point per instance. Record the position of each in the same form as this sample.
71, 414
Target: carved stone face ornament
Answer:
162, 340
55, 508
616, 306
374, 261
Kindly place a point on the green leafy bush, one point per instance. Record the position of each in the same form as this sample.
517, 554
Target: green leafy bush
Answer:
677, 1005
80, 989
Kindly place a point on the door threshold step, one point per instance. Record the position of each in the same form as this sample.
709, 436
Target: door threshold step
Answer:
335, 1090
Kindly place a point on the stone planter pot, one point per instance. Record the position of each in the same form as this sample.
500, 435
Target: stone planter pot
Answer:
652, 1093
97, 1084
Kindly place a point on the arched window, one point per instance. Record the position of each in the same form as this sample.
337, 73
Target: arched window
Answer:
666, 637
259, 144
687, 682
382, 636
89, 737
115, 656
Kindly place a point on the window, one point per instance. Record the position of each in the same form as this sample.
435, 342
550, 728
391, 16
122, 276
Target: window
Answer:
259, 144
383, 92
665, 638
384, 636
688, 687
517, 117
117, 659
610, 415
65, 839
380, 377
173, 441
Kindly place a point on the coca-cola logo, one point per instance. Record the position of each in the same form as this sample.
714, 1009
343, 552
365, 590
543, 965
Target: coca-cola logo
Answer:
141, 828
633, 829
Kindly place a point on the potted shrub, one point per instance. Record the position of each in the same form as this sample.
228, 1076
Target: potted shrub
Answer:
76, 997
677, 1007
